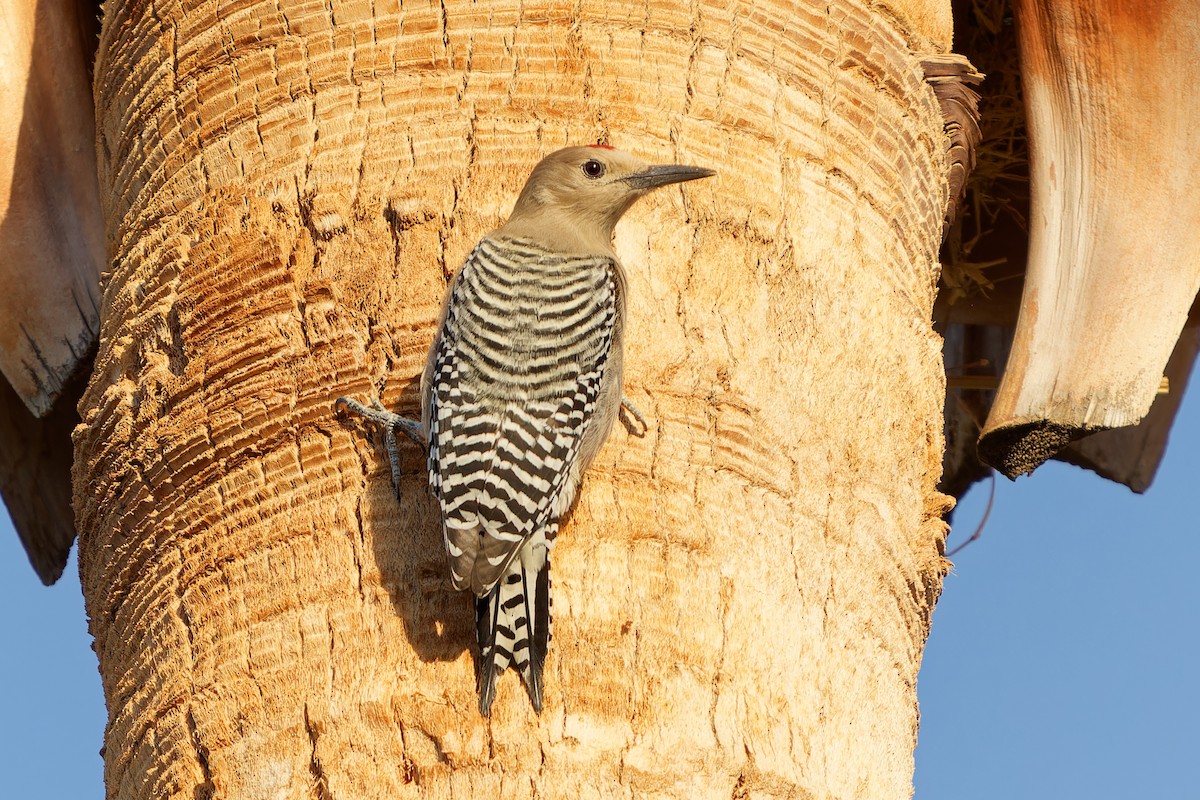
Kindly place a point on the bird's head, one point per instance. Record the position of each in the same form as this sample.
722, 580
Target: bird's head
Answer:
575, 196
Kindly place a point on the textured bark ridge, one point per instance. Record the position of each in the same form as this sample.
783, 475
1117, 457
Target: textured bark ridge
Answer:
954, 80
742, 596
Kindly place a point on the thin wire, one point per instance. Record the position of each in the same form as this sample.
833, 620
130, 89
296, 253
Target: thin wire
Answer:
987, 512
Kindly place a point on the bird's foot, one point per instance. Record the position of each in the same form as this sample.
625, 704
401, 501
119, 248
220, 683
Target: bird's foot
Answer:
632, 413
390, 423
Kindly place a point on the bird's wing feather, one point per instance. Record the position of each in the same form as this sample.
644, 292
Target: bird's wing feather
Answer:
498, 464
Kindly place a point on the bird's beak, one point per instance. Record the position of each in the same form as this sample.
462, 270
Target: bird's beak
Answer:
663, 174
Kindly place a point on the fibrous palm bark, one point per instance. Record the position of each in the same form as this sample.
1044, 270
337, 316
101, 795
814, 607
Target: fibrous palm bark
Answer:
742, 595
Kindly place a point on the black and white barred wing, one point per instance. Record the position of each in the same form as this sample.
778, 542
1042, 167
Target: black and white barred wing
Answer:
512, 392
498, 476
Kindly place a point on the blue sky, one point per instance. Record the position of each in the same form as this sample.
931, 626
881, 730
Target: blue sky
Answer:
1064, 660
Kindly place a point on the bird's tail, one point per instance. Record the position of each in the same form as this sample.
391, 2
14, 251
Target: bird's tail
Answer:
513, 626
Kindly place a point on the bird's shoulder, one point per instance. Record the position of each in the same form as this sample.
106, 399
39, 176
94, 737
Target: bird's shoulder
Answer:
521, 251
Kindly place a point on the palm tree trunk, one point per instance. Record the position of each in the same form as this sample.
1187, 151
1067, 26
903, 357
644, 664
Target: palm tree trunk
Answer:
742, 595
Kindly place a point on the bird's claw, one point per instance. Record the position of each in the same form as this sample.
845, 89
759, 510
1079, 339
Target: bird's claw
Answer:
390, 423
632, 411
378, 415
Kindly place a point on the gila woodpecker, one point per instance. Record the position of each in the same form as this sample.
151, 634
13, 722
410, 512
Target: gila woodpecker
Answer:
521, 388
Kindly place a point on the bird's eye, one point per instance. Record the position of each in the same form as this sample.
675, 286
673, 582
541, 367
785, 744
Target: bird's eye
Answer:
592, 168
